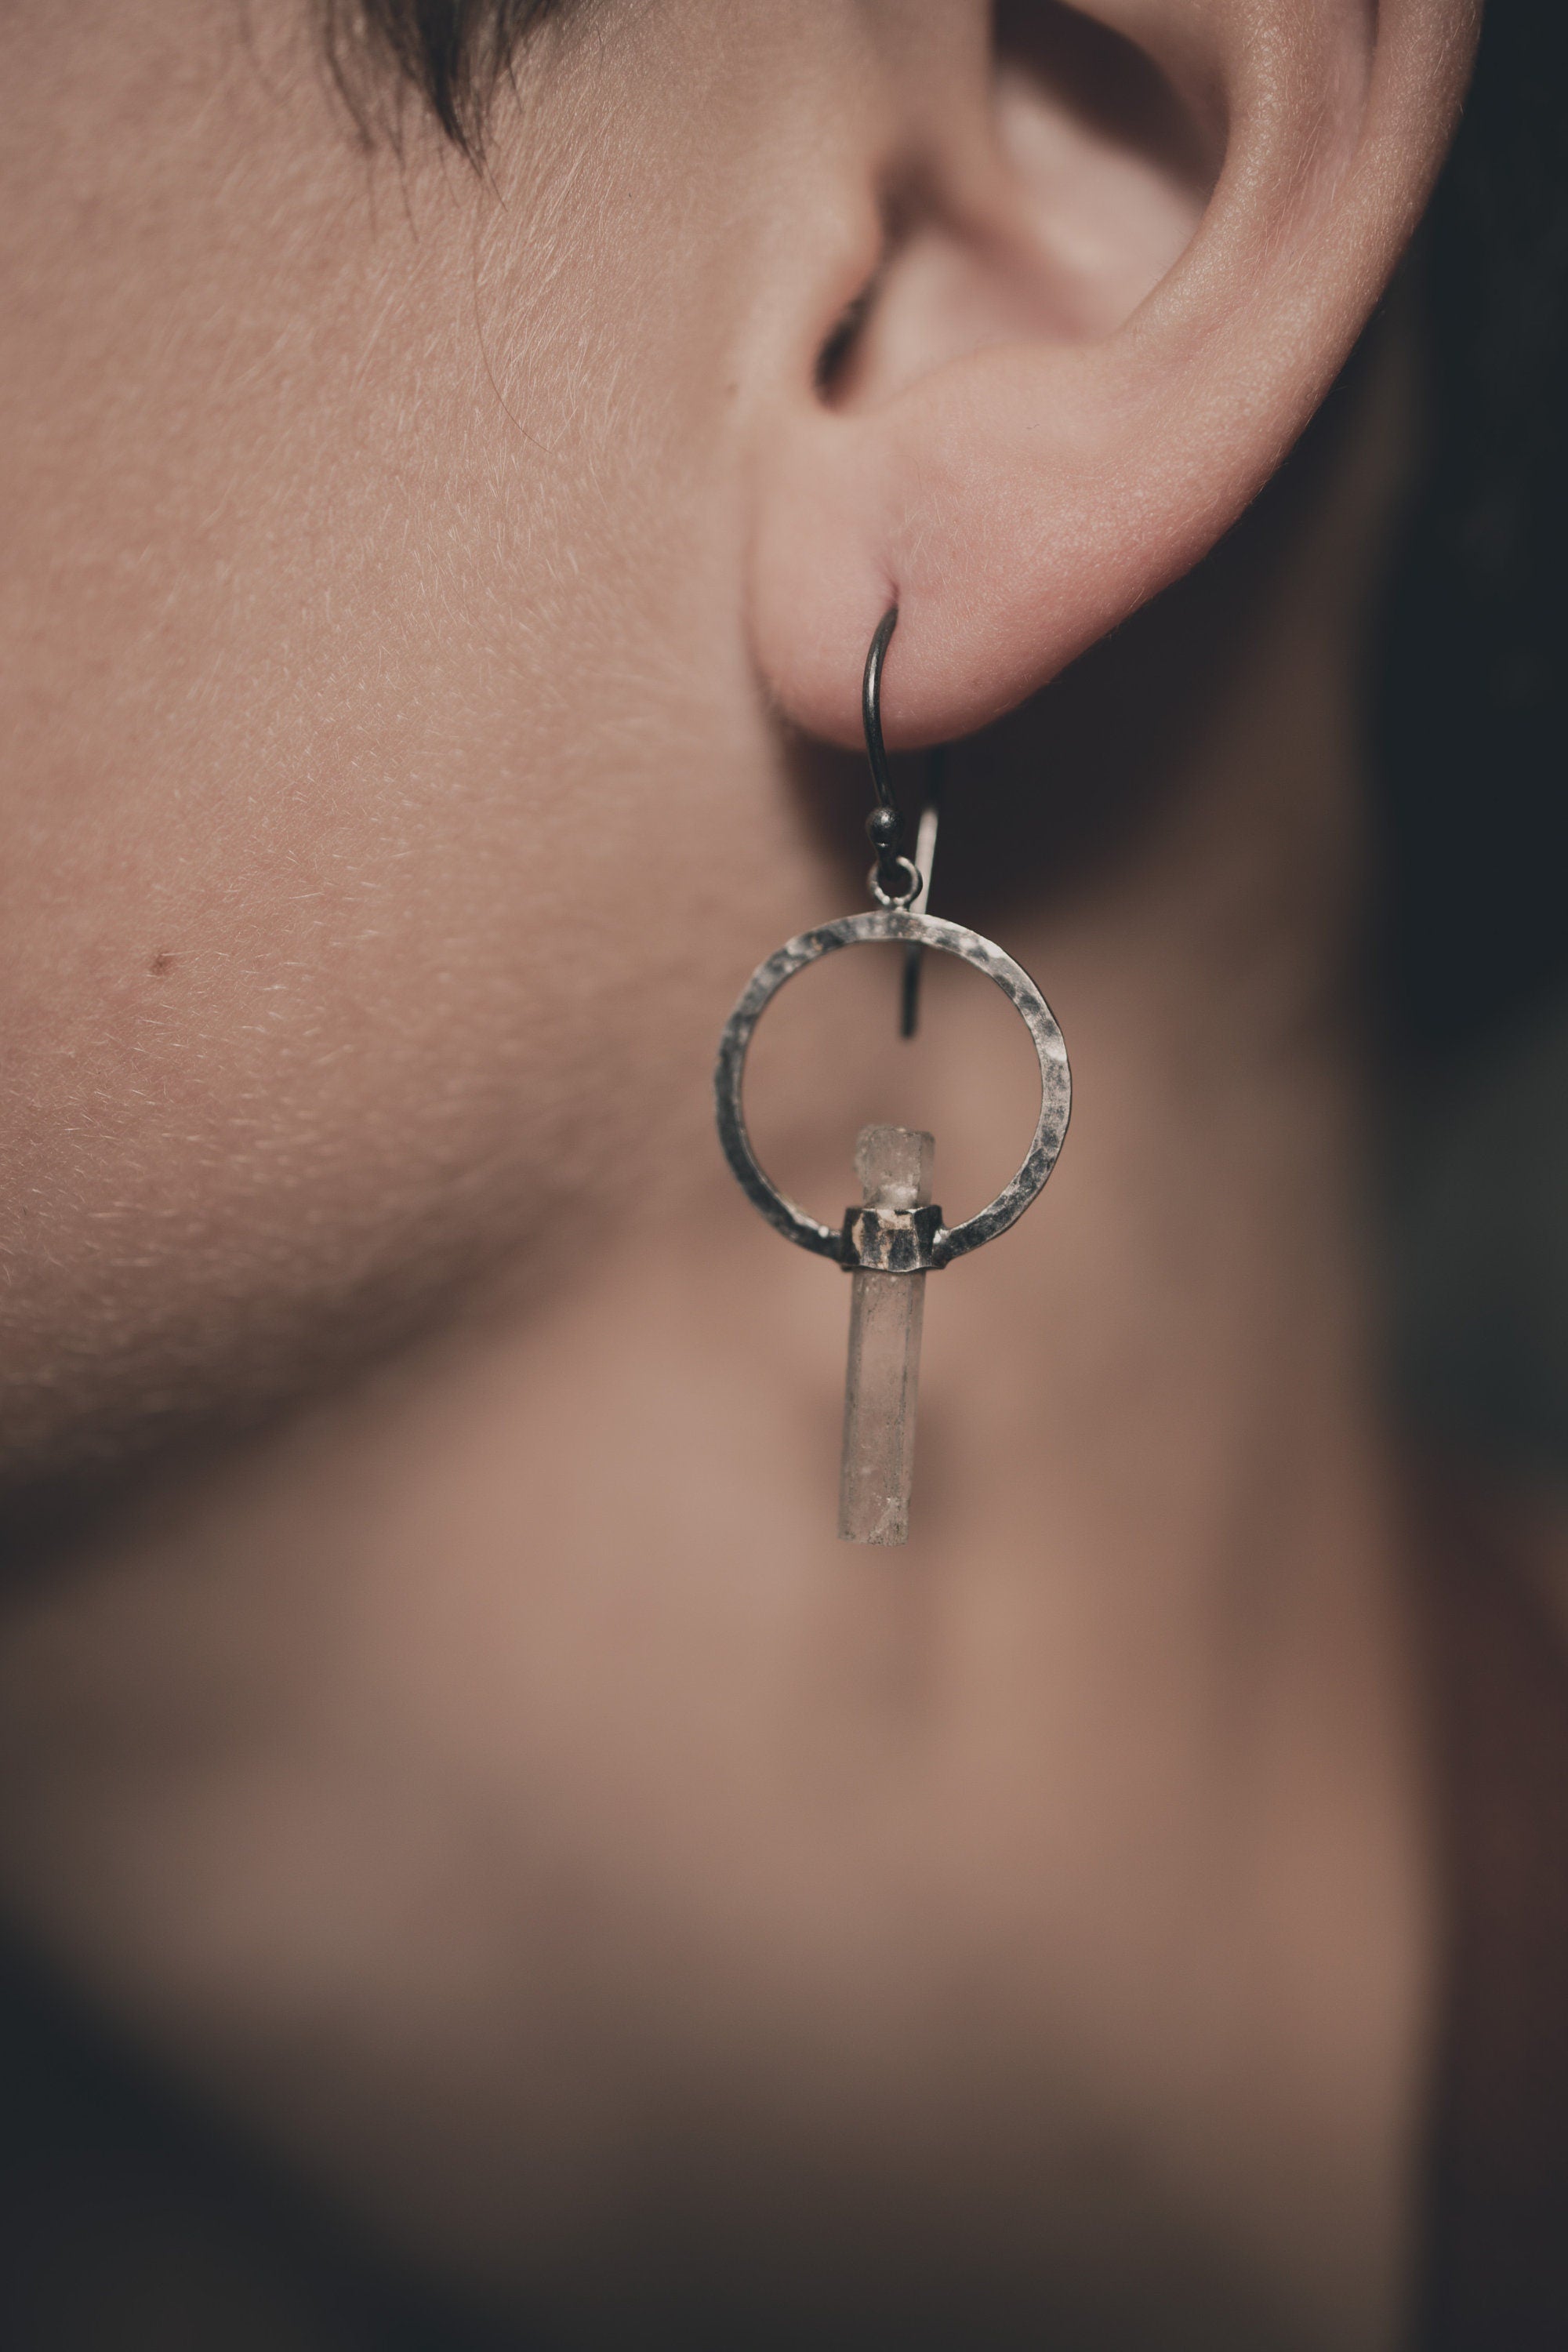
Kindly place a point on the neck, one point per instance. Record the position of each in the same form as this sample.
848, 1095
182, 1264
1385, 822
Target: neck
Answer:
534, 1737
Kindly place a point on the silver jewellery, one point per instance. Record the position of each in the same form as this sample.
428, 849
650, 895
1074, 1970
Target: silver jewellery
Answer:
895, 1237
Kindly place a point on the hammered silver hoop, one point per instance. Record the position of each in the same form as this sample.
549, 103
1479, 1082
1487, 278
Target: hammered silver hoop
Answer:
899, 926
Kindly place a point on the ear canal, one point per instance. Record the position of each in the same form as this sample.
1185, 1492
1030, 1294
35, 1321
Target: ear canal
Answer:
1084, 188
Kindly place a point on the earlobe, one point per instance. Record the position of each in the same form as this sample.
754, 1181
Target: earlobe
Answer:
1089, 344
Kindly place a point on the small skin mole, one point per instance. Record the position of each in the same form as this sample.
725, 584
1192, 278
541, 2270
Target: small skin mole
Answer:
162, 964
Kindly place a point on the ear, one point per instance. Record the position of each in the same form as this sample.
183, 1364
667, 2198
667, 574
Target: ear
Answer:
1111, 260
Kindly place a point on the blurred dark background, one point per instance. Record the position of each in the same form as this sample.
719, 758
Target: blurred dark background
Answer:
1467, 704
126, 2220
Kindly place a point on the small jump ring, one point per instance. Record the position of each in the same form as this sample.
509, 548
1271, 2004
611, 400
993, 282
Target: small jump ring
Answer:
905, 898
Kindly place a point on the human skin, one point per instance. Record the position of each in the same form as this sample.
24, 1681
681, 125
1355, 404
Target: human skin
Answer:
435, 1713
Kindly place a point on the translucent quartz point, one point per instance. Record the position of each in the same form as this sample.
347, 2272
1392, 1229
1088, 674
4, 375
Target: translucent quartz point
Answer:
894, 1165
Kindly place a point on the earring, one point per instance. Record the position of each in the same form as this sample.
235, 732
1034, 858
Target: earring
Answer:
895, 1237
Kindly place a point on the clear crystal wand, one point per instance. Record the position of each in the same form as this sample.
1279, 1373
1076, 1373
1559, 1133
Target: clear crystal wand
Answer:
883, 1383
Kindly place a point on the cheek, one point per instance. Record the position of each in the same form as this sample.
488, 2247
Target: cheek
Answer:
370, 692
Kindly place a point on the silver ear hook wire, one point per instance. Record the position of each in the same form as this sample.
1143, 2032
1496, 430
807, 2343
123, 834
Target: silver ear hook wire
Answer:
871, 706
925, 860
894, 880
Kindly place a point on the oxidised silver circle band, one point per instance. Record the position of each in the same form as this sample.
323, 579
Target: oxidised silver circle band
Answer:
897, 925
